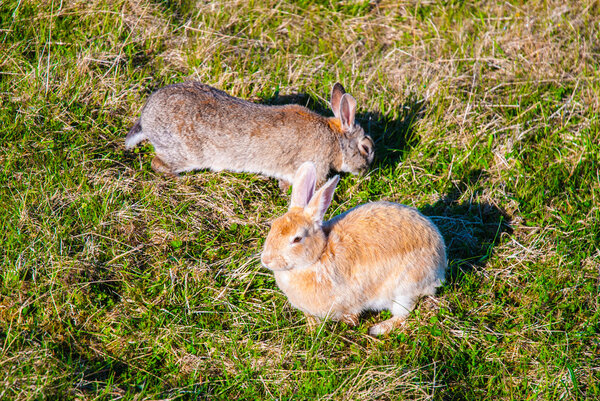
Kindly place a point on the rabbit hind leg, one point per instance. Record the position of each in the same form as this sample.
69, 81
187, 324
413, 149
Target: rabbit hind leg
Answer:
159, 166
401, 307
386, 326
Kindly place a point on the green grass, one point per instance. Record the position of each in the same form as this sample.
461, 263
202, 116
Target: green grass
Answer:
120, 283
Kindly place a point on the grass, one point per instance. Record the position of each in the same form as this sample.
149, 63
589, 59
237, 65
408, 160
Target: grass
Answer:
118, 283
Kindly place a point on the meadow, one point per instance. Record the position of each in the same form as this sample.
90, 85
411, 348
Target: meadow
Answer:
120, 283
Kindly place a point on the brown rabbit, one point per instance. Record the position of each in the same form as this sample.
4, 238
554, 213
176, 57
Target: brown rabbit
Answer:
376, 256
195, 126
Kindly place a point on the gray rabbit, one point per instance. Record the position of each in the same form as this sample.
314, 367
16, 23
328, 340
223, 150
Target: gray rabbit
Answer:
195, 126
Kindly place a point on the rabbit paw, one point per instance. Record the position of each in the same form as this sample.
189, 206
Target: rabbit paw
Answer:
284, 185
386, 326
312, 322
350, 320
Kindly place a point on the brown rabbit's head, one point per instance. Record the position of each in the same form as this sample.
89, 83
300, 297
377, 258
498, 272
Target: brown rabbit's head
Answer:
357, 147
296, 239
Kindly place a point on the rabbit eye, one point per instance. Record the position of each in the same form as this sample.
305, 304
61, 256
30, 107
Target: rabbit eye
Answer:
365, 149
296, 239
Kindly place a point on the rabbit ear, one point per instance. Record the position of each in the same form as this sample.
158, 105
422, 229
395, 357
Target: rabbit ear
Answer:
322, 199
347, 111
336, 96
304, 184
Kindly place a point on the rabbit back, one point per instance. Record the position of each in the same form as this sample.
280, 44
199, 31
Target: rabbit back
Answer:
389, 250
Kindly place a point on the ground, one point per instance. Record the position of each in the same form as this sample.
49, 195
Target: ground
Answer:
119, 283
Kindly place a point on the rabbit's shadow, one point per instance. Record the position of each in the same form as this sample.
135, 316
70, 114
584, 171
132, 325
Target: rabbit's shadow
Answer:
393, 133
471, 230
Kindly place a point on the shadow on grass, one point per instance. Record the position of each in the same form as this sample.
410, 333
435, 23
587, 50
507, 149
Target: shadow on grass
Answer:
471, 230
103, 372
91, 371
393, 136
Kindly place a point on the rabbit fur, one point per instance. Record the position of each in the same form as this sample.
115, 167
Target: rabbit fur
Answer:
195, 126
376, 256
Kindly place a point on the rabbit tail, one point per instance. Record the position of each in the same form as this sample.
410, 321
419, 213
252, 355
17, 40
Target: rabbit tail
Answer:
134, 136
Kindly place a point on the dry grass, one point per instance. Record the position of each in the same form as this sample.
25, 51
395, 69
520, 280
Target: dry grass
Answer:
119, 283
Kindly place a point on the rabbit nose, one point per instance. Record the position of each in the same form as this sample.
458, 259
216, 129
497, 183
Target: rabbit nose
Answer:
265, 260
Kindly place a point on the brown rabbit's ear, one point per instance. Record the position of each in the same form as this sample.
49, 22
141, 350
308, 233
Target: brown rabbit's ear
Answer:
347, 112
304, 184
336, 96
322, 199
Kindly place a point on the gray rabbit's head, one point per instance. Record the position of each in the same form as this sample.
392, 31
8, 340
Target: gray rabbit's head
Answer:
357, 147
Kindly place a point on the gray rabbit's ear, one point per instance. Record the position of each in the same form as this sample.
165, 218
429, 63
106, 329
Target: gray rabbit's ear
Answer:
336, 96
347, 111
304, 185
321, 200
